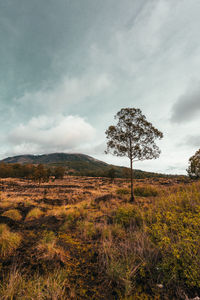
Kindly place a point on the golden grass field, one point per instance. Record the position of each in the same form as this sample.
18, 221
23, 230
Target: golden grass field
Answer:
81, 238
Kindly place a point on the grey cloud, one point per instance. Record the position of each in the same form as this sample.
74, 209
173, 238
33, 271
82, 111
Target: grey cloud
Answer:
45, 134
91, 58
192, 141
187, 107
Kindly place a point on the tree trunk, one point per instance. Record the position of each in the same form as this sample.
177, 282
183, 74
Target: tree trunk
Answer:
132, 194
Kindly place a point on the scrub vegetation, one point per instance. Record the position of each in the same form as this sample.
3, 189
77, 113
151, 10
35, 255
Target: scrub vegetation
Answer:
81, 238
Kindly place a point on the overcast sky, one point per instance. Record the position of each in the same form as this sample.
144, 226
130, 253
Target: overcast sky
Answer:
68, 66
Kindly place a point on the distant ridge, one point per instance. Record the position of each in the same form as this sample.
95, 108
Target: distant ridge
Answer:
78, 164
50, 158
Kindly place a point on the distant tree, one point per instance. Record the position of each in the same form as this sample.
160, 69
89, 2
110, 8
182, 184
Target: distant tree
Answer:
126, 173
194, 166
40, 174
111, 174
59, 172
134, 137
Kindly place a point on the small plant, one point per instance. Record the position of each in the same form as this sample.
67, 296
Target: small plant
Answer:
18, 285
34, 213
87, 229
126, 260
9, 241
113, 231
123, 191
145, 191
47, 248
128, 216
13, 214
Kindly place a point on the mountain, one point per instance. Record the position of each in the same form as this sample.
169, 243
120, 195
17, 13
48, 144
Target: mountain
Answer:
52, 158
77, 164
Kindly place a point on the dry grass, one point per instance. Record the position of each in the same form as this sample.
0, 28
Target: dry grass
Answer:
104, 246
47, 248
14, 214
34, 213
9, 241
18, 285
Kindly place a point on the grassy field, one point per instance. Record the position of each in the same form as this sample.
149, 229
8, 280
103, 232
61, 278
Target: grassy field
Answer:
80, 238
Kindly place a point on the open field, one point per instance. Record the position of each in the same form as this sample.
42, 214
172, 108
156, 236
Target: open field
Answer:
80, 238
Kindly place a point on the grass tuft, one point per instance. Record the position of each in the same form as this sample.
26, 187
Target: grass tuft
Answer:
9, 241
13, 214
145, 191
47, 248
34, 213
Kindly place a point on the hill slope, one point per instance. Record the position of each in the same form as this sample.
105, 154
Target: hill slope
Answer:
77, 164
51, 158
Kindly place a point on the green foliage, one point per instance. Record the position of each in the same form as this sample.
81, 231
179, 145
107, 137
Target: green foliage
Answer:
38, 173
41, 174
176, 231
164, 251
128, 260
145, 191
59, 172
128, 216
87, 229
194, 166
111, 173
133, 137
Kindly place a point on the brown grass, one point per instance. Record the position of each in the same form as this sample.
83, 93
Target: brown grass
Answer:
94, 247
9, 241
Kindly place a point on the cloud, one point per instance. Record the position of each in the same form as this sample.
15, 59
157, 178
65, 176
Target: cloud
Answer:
187, 107
192, 141
51, 134
68, 92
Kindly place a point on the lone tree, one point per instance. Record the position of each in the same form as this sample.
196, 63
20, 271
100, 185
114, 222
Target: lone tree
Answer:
134, 137
194, 166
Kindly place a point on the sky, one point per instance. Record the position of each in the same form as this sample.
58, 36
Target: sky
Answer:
68, 66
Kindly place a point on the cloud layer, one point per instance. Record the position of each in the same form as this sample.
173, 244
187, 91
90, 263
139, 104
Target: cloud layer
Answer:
187, 107
46, 135
62, 59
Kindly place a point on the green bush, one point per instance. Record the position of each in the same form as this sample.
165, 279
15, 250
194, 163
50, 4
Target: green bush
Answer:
87, 229
128, 216
175, 231
145, 191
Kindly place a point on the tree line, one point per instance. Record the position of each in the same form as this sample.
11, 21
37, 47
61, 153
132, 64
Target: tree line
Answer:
38, 173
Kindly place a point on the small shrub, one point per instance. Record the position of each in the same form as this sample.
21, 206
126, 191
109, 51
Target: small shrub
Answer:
103, 198
87, 229
71, 220
13, 214
128, 216
113, 231
34, 213
9, 241
127, 260
122, 191
145, 191
47, 248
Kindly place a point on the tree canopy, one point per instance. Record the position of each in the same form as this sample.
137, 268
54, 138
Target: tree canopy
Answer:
133, 136
194, 166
